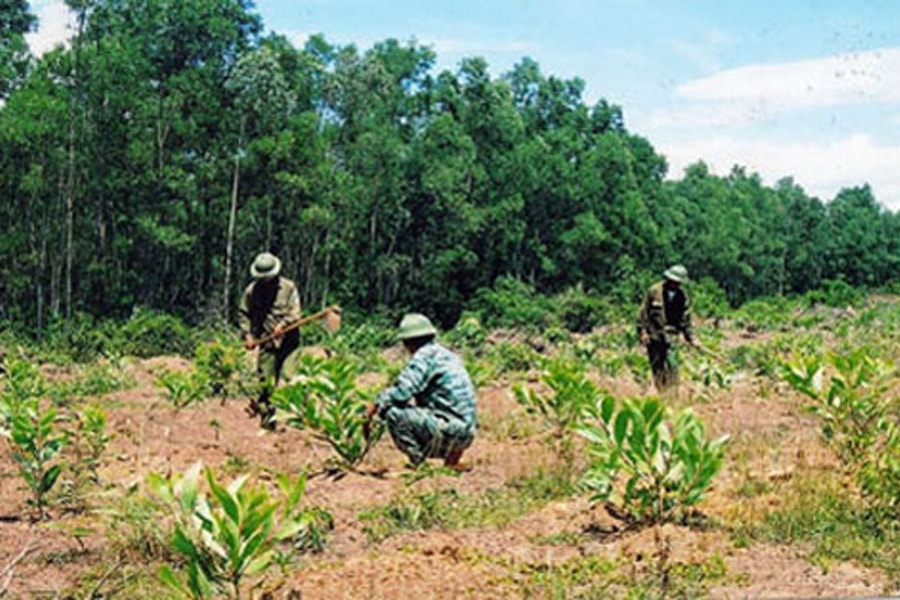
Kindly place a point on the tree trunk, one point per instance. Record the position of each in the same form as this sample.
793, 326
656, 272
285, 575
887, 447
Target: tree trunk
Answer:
72, 176
229, 242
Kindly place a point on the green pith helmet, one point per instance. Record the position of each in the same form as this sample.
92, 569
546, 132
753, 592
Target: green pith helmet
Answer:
415, 325
265, 266
677, 273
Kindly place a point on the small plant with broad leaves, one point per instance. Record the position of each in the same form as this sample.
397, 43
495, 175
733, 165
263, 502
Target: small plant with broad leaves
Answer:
325, 400
224, 367
314, 537
667, 466
230, 537
857, 416
21, 383
854, 405
710, 373
35, 433
570, 394
86, 431
36, 440
184, 388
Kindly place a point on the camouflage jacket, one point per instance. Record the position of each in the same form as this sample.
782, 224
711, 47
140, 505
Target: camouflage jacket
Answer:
665, 311
436, 379
262, 308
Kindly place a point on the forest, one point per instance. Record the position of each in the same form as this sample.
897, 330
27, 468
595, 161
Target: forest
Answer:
147, 162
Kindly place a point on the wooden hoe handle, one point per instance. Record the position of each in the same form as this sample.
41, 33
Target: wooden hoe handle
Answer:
300, 323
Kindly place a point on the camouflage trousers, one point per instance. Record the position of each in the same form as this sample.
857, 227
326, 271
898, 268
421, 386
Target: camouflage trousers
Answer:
663, 355
421, 433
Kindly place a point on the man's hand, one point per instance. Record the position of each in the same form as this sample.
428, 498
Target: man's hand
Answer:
645, 338
278, 332
249, 343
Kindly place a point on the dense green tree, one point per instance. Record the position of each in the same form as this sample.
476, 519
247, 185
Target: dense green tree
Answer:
146, 162
859, 243
15, 21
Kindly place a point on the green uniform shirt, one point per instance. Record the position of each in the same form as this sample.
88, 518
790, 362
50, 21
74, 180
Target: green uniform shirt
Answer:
665, 310
436, 379
263, 307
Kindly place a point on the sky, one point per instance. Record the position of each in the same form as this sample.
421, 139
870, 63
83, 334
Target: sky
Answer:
808, 89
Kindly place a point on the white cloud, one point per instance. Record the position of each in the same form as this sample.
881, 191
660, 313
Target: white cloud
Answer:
54, 21
822, 169
852, 78
761, 117
757, 94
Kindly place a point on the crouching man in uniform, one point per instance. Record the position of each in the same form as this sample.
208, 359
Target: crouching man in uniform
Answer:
430, 409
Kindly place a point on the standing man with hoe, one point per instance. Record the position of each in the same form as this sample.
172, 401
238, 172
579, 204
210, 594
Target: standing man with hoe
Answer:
665, 313
269, 311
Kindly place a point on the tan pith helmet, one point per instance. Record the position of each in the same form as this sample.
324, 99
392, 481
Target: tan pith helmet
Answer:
676, 273
265, 266
415, 325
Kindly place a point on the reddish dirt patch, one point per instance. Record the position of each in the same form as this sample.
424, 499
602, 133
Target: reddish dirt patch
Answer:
772, 441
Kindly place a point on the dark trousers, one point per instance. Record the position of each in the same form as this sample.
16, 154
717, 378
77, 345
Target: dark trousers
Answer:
663, 356
269, 363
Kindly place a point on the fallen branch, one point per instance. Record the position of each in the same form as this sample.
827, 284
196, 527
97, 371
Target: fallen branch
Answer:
7, 573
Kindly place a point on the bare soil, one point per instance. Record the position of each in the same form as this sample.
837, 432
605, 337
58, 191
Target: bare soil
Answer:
70, 554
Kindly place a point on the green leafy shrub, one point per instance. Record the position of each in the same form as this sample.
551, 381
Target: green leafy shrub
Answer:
836, 293
857, 416
369, 337
667, 466
88, 441
149, 333
468, 334
35, 434
325, 400
763, 360
81, 339
764, 314
579, 311
90, 438
224, 367
854, 404
570, 395
184, 388
512, 303
631, 283
36, 441
511, 357
22, 383
229, 535
708, 300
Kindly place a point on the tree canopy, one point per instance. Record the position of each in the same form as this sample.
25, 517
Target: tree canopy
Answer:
149, 160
